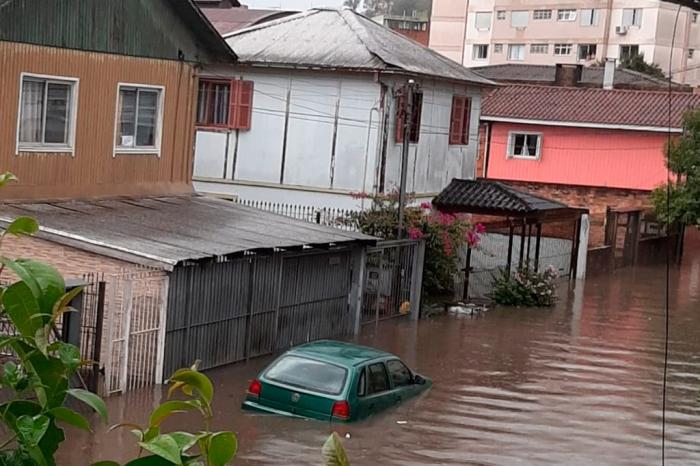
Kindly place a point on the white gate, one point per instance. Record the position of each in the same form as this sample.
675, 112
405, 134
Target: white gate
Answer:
135, 329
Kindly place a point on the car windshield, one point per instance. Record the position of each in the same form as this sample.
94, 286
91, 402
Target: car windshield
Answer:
308, 374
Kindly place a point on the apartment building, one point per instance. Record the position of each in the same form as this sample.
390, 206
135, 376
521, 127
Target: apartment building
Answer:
492, 32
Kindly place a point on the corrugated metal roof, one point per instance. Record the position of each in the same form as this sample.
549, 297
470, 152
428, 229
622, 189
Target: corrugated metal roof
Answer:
482, 196
629, 108
169, 230
342, 39
228, 20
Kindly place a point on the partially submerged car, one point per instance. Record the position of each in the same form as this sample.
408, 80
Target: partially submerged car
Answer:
333, 381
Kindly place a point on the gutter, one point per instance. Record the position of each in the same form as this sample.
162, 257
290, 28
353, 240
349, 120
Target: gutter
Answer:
574, 124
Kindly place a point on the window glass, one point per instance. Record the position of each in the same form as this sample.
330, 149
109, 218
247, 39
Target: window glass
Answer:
542, 14
483, 20
524, 145
589, 17
562, 49
628, 51
399, 373
378, 380
587, 51
32, 111
632, 17
213, 103
566, 15
45, 112
501, 15
539, 48
138, 117
362, 384
309, 374
481, 51
146, 122
518, 19
497, 48
516, 52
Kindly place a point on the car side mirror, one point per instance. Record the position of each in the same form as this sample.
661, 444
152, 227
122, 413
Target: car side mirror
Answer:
418, 380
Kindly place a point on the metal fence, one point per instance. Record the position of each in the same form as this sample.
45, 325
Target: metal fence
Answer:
328, 216
393, 272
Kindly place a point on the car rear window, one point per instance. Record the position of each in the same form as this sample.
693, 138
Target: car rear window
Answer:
308, 374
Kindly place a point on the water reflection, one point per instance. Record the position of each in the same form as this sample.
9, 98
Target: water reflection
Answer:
577, 384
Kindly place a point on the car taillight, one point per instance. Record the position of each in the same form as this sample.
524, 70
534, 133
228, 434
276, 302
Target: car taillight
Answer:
254, 388
341, 410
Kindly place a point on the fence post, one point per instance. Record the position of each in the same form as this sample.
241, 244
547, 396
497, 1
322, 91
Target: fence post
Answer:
357, 289
417, 279
126, 330
111, 315
97, 343
160, 345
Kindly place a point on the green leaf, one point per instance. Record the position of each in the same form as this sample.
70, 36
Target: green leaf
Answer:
71, 417
20, 305
170, 407
222, 448
196, 380
334, 452
184, 440
22, 226
61, 305
6, 178
31, 429
90, 399
41, 340
70, 356
24, 275
149, 461
51, 284
164, 446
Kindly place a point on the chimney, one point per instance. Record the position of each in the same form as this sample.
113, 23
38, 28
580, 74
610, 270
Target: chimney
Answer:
567, 75
609, 75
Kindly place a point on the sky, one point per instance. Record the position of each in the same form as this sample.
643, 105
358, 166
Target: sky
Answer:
291, 4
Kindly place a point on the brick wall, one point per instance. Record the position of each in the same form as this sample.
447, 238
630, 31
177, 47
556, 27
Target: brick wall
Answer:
596, 200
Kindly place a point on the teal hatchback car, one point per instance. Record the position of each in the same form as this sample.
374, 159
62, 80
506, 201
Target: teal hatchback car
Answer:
333, 381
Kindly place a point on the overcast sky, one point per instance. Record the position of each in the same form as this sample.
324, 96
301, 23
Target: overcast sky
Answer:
291, 4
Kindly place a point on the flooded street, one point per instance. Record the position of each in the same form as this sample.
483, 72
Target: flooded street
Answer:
577, 384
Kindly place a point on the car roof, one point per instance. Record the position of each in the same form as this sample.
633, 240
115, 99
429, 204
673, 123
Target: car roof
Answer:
339, 352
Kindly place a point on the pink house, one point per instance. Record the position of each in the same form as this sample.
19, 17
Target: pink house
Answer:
587, 147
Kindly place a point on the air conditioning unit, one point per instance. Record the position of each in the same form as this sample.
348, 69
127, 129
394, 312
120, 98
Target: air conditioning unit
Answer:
621, 30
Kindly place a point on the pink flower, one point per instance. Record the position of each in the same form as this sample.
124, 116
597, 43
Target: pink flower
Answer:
359, 195
415, 233
480, 228
445, 219
472, 239
447, 244
426, 205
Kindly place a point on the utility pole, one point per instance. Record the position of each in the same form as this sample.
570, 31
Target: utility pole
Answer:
409, 90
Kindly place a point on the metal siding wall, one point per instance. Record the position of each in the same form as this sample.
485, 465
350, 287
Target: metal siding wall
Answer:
225, 312
93, 170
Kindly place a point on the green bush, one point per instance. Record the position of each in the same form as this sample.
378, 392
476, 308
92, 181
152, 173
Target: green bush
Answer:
526, 288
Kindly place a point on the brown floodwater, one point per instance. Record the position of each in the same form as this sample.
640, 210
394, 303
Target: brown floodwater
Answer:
578, 384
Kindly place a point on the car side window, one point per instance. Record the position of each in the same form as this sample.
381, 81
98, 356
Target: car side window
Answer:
377, 380
399, 373
362, 384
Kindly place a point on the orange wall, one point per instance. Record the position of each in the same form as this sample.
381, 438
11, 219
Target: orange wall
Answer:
583, 156
93, 170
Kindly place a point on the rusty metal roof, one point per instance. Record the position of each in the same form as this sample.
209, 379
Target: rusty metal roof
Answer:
228, 20
492, 198
324, 38
166, 231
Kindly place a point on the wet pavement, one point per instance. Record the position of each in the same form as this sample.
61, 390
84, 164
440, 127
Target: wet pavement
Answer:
578, 384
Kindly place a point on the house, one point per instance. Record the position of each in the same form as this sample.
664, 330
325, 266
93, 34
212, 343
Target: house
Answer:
488, 32
308, 115
98, 125
587, 147
415, 26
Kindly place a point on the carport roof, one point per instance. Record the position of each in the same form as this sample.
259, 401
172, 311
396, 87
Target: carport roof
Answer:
166, 231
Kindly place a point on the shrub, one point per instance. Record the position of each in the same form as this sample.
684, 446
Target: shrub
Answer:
526, 287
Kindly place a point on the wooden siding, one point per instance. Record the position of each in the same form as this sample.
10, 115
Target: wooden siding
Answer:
93, 170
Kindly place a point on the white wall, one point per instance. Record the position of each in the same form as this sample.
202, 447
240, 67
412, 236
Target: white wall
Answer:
314, 170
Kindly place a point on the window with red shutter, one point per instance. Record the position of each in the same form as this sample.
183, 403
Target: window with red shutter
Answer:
241, 109
459, 120
400, 113
414, 128
213, 103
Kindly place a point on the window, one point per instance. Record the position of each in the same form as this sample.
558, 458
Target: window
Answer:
377, 381
226, 104
362, 384
525, 145
589, 17
414, 126
691, 53
46, 114
587, 51
138, 118
309, 374
539, 49
694, 18
501, 15
518, 19
562, 49
632, 17
399, 373
542, 14
566, 15
516, 52
497, 48
482, 20
628, 51
481, 52
459, 120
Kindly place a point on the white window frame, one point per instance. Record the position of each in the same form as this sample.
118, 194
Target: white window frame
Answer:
594, 18
636, 18
118, 150
566, 14
539, 48
475, 55
568, 47
498, 48
52, 148
508, 57
511, 145
581, 46
522, 15
541, 14
500, 15
486, 14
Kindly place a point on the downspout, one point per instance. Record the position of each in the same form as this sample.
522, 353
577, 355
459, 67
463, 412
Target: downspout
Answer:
606, 34
464, 36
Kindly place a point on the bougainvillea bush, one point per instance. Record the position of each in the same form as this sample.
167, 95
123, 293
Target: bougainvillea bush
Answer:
444, 235
526, 287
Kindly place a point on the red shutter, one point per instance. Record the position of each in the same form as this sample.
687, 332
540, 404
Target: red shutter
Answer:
466, 118
233, 97
245, 104
456, 120
400, 115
